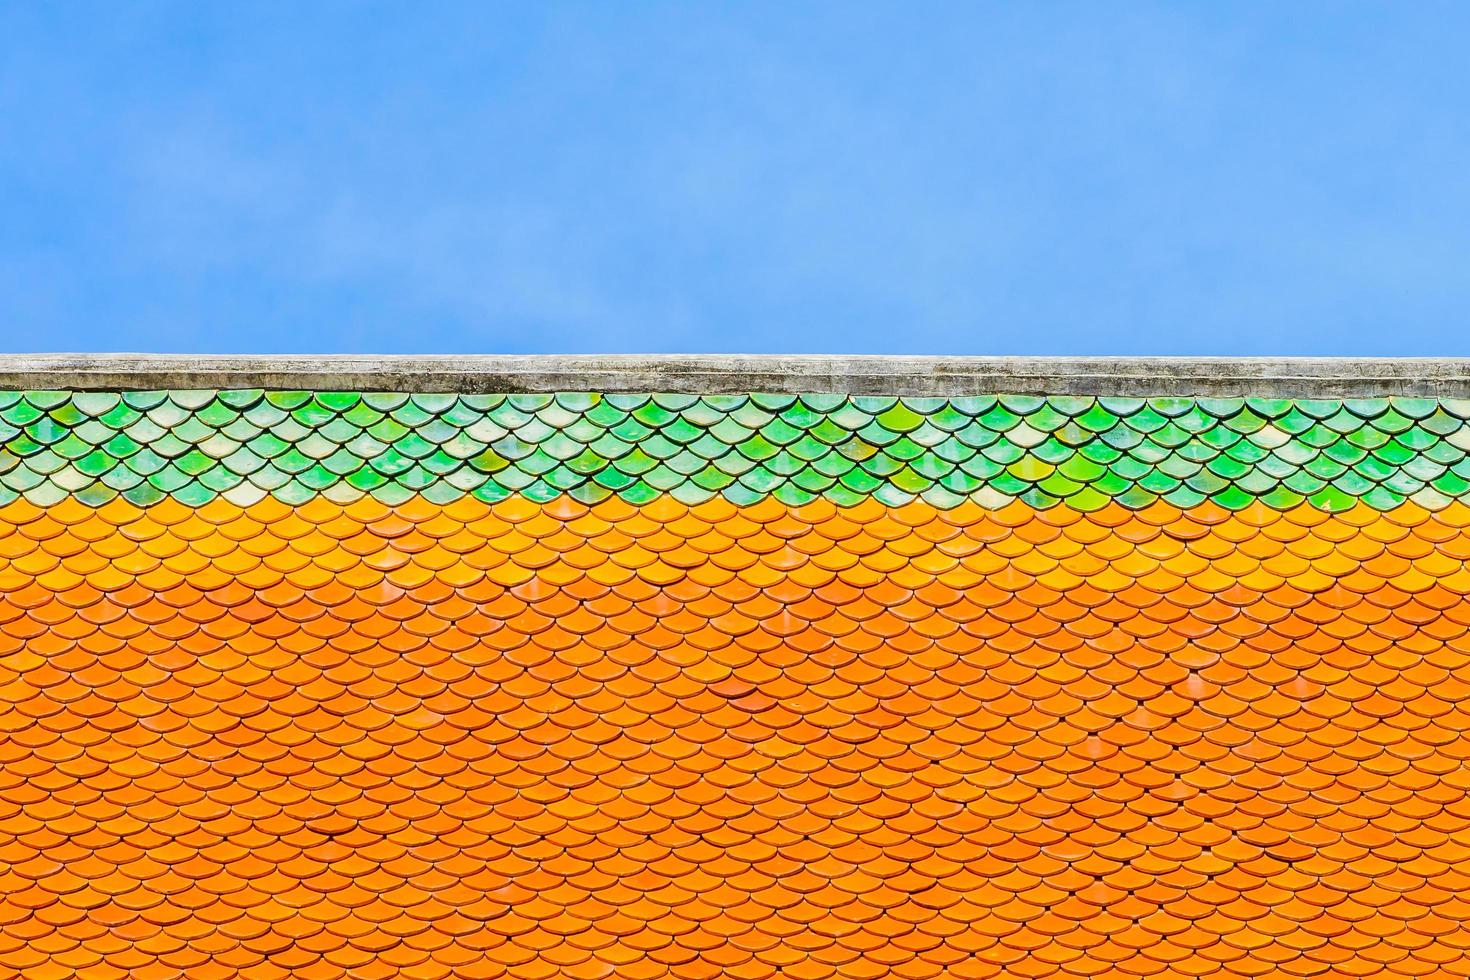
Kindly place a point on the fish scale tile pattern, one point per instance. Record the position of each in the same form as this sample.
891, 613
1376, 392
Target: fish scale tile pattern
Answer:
196, 445
272, 709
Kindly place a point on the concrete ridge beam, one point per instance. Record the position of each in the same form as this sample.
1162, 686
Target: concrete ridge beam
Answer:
1278, 377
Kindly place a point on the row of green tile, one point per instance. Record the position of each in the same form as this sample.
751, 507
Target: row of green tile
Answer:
197, 445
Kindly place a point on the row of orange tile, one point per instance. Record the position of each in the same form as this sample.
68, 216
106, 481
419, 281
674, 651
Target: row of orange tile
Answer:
420, 768
360, 544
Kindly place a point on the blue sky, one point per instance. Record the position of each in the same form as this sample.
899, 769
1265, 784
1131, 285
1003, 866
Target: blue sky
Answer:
966, 178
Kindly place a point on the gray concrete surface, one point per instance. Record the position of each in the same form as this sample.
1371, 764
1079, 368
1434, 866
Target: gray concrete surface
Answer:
726, 373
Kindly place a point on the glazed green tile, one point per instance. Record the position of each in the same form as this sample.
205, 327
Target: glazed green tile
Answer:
239, 399
952, 451
1184, 497
241, 430
1306, 483
287, 430
366, 478
780, 433
545, 442
1368, 438
1296, 453
999, 419
1353, 483
1328, 467
1367, 408
1107, 483
1159, 483
194, 462
1053, 451
1246, 422
1417, 439
1073, 435
1269, 408
1227, 468
1170, 407
860, 481
71, 447
1255, 483
312, 414
46, 462
1320, 437
977, 436
1382, 498
265, 415
23, 445
929, 436
1197, 421
1451, 484
1220, 408
118, 478
958, 481
1232, 497
144, 495
23, 477
69, 479
784, 464
1097, 418
47, 400
1122, 438
21, 414
95, 463
441, 463
1197, 452
982, 467
947, 418
1344, 421
905, 449
1030, 469
686, 463
1275, 467
1414, 408
931, 467
1318, 408
1021, 405
1179, 467
1009, 485
94, 495
1282, 498
1445, 453
1047, 419
1134, 498
46, 430
1206, 482
1394, 454
1059, 486
67, 415
1392, 422
169, 478
1169, 436
93, 403
168, 416
813, 482
1422, 468
1247, 452
193, 399
1403, 483
210, 484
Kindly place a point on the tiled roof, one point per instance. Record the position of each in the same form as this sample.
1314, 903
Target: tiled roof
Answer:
577, 685
242, 445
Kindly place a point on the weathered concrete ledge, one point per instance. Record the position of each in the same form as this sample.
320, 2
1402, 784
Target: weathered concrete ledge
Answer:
1286, 377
